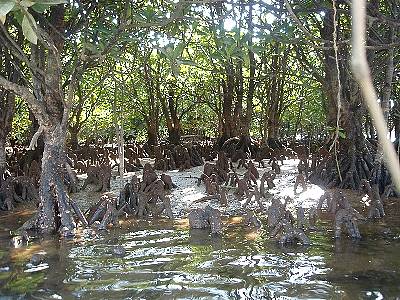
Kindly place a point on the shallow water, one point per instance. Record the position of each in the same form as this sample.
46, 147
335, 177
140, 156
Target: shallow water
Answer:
168, 261
165, 260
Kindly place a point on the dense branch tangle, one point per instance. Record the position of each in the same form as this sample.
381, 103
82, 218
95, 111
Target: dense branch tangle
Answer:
46, 99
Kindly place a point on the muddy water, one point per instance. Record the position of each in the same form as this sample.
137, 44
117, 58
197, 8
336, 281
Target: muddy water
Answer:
165, 260
168, 261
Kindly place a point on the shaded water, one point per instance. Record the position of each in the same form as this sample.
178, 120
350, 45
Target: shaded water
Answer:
167, 261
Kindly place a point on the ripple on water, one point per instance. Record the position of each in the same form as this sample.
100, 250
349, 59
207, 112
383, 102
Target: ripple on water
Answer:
182, 264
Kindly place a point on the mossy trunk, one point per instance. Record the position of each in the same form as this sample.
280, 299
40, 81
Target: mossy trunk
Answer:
55, 211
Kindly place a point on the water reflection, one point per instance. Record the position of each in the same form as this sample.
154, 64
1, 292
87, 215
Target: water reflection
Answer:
171, 262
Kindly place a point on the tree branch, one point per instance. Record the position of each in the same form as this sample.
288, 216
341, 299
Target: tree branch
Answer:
33, 143
35, 106
362, 74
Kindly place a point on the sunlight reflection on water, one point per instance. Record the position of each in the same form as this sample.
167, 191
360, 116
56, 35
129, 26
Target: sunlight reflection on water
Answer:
165, 260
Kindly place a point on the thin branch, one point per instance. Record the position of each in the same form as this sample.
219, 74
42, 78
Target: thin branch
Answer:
34, 141
362, 74
339, 89
304, 30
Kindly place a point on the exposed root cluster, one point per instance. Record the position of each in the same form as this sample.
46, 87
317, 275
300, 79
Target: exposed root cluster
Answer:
16, 190
100, 176
177, 157
148, 196
342, 211
281, 222
206, 218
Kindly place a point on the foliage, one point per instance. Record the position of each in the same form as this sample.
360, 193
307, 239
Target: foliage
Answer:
186, 48
21, 123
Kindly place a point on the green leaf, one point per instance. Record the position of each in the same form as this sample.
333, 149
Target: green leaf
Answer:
228, 40
178, 50
40, 8
166, 51
27, 29
91, 47
195, 23
217, 55
129, 12
18, 15
230, 49
149, 12
6, 7
257, 49
342, 134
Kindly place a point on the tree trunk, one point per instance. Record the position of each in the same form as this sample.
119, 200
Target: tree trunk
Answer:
273, 128
121, 156
7, 108
396, 121
55, 211
170, 111
228, 127
379, 172
174, 135
246, 123
74, 143
352, 159
152, 115
152, 133
275, 96
2, 158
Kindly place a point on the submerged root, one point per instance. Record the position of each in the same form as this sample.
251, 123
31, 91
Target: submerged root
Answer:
206, 218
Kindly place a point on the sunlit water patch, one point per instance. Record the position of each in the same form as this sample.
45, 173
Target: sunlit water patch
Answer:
164, 260
181, 264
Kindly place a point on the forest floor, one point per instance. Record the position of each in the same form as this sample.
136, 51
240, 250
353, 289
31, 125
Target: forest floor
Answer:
195, 263
184, 196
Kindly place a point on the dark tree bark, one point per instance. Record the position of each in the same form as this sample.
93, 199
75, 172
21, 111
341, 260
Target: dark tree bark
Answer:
353, 160
48, 105
170, 110
7, 105
74, 142
7, 102
33, 154
152, 132
379, 172
237, 101
273, 107
228, 124
55, 212
151, 114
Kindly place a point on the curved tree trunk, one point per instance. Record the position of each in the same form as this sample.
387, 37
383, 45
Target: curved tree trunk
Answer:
55, 211
170, 111
49, 108
7, 102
